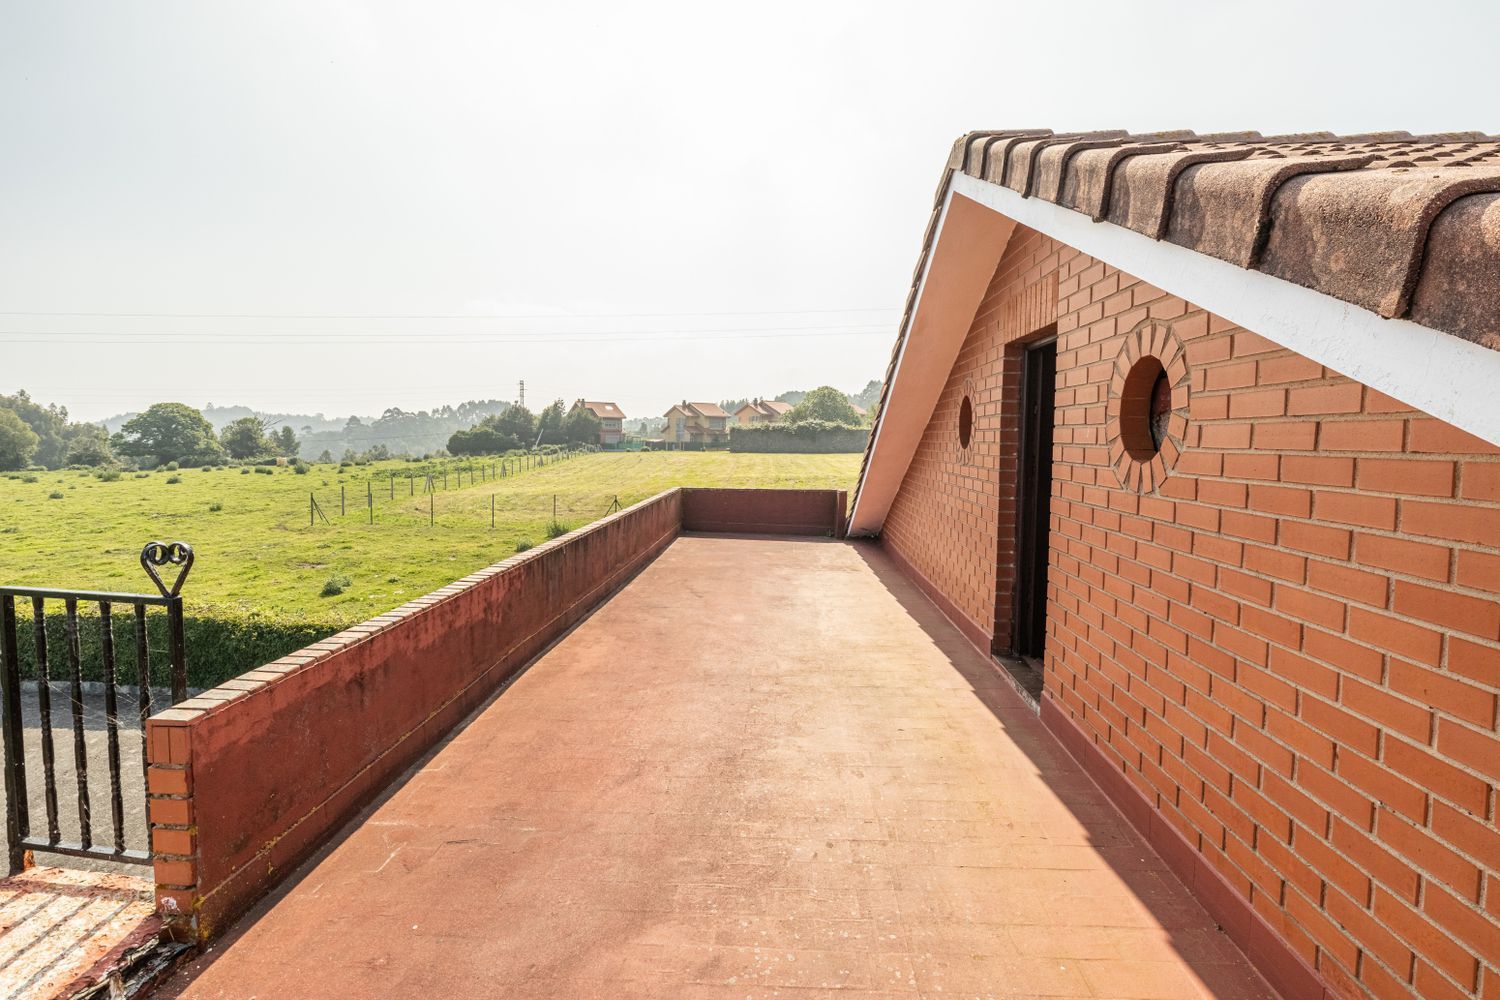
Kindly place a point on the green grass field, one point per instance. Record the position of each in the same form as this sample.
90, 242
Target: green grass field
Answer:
257, 552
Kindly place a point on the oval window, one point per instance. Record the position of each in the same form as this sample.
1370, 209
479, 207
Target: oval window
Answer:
1145, 409
965, 422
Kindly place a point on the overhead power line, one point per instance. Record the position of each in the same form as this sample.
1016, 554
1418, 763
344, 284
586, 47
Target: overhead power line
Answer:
448, 316
175, 338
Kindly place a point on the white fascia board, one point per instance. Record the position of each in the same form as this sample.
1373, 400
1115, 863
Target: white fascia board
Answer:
903, 336
1440, 374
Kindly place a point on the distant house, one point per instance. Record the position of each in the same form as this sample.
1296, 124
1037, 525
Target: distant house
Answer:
761, 411
696, 423
611, 420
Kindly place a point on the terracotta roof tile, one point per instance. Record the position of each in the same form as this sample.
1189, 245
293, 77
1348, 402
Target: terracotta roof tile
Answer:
604, 411
1353, 217
1141, 196
1362, 238
1224, 209
1461, 270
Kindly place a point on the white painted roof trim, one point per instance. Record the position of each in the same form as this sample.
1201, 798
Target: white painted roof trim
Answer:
1449, 377
1438, 373
904, 339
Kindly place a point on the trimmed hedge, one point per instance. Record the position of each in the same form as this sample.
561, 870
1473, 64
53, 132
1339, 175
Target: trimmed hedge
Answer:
222, 643
816, 436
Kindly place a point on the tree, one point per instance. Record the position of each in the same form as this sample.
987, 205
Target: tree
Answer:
516, 422
89, 445
245, 438
169, 432
482, 439
581, 426
18, 441
48, 423
286, 441
827, 404
326, 457
549, 424
869, 395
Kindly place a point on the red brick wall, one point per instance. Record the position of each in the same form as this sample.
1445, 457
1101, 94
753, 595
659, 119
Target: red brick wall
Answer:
944, 522
1290, 649
765, 512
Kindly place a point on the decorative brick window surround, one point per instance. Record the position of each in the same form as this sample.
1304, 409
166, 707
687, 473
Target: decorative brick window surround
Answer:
1143, 454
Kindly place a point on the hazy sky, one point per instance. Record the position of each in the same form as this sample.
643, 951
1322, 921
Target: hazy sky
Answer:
630, 184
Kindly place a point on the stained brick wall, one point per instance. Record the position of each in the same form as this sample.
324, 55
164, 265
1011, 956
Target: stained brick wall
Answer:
1288, 652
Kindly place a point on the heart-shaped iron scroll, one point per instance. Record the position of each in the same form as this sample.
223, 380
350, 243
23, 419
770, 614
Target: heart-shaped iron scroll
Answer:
163, 553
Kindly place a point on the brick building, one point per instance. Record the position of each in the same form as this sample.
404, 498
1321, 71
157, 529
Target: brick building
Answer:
1197, 435
761, 411
611, 420
701, 424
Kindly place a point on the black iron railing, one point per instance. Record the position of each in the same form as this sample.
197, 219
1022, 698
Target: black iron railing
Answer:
45, 663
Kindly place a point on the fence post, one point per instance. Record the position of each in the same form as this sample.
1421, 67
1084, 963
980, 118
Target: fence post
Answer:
343, 511
431, 510
17, 823
179, 650
309, 509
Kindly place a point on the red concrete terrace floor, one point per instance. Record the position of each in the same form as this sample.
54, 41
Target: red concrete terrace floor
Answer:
766, 768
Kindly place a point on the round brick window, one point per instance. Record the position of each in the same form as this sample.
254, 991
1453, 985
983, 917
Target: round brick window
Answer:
965, 422
1147, 409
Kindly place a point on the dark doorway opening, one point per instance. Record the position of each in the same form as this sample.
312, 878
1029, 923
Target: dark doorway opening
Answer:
1034, 501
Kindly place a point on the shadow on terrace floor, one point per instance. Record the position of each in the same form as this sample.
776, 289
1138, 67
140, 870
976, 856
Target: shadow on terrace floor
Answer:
1192, 933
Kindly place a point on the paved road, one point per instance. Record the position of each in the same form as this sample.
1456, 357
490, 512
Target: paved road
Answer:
132, 782
765, 768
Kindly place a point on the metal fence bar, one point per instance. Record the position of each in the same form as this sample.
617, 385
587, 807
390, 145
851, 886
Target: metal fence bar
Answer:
111, 722
178, 650
44, 705
17, 813
80, 745
143, 673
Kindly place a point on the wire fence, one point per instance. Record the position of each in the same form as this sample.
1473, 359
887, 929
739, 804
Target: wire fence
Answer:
495, 493
461, 490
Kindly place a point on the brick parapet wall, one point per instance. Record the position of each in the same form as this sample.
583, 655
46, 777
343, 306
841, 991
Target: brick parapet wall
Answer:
1290, 649
765, 512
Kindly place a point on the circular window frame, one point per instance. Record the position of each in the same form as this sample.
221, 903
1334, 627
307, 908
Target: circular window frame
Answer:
966, 450
1149, 351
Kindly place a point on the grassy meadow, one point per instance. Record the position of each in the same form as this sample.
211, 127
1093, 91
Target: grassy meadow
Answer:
259, 560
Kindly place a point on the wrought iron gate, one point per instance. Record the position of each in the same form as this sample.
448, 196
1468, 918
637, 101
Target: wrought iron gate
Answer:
44, 662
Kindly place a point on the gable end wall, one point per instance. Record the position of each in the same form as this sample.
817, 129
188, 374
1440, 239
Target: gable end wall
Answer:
1290, 649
